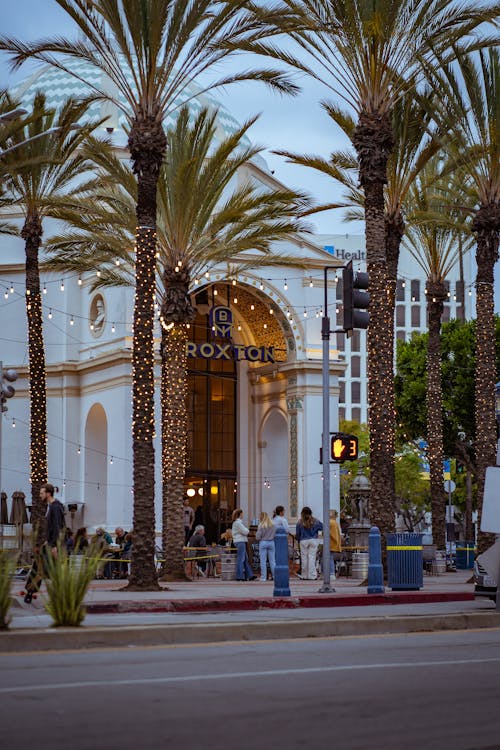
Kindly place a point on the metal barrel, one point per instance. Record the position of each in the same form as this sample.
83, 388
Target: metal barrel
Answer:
360, 562
227, 565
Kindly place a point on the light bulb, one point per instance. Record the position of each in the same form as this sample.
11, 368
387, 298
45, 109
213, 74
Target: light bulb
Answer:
117, 262
62, 285
285, 286
11, 288
71, 322
235, 300
113, 329
50, 314
80, 282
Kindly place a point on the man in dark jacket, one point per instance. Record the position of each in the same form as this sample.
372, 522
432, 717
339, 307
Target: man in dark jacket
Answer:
55, 517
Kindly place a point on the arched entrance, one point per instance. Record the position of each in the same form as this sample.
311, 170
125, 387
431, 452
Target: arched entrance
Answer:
96, 468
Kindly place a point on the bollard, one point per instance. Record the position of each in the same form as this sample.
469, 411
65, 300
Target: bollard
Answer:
375, 568
281, 571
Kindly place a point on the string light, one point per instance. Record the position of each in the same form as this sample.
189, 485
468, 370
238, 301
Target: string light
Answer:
311, 282
111, 460
80, 282
72, 322
11, 288
50, 313
113, 329
44, 290
98, 274
117, 262
305, 313
261, 286
6, 294
234, 282
13, 422
62, 285
285, 286
207, 275
235, 300
79, 450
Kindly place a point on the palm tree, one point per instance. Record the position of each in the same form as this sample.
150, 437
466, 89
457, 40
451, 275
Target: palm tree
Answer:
368, 54
38, 175
471, 111
151, 51
435, 247
202, 221
414, 146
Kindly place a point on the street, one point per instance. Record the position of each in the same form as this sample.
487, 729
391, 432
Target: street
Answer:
435, 690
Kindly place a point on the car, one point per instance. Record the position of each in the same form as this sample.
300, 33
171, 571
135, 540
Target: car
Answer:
484, 584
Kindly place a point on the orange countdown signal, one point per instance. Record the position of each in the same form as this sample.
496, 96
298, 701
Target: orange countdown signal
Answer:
343, 447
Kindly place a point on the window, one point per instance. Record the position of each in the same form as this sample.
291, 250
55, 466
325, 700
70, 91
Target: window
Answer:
415, 290
401, 335
400, 316
445, 317
342, 391
356, 415
355, 341
355, 392
339, 289
400, 290
415, 316
340, 316
341, 413
355, 367
341, 342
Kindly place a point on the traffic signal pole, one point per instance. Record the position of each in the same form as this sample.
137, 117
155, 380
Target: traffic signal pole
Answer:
326, 588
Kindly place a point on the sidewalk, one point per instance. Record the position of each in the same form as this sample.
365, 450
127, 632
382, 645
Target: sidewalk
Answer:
215, 611
215, 595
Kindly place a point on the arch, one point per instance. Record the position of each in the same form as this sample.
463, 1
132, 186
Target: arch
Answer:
273, 443
96, 467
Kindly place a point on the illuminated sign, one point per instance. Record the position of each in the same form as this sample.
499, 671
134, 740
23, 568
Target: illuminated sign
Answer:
343, 447
221, 323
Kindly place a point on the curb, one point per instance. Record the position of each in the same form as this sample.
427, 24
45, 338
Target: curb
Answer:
57, 639
280, 602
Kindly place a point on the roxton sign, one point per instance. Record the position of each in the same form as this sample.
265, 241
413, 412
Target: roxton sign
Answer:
221, 322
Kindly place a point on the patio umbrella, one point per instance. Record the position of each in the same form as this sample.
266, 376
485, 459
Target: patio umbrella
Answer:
4, 516
18, 514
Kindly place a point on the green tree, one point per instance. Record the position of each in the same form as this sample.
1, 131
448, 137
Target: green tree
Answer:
471, 110
369, 54
412, 491
202, 221
150, 51
38, 175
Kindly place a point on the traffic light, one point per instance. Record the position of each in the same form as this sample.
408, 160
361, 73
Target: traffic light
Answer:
356, 299
6, 390
343, 447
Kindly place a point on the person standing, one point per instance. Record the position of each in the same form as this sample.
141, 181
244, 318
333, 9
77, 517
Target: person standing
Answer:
335, 542
279, 518
188, 520
199, 542
307, 531
265, 537
240, 537
55, 517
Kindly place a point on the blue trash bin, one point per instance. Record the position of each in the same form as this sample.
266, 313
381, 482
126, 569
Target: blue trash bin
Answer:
465, 553
405, 564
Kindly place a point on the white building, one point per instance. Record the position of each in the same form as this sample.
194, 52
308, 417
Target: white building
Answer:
255, 426
410, 314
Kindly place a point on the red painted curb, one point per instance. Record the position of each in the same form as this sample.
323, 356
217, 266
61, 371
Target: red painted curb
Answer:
312, 601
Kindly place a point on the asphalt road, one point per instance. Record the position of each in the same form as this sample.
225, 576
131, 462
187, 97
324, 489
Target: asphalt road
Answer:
439, 690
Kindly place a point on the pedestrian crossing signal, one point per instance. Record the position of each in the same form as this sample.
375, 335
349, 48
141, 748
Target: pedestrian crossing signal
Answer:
343, 447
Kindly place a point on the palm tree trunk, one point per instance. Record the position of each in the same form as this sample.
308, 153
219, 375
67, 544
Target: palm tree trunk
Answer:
486, 228
373, 142
32, 234
436, 294
174, 441
147, 144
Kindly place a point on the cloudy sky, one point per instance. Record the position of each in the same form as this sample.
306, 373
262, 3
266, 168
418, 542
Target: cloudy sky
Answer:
295, 124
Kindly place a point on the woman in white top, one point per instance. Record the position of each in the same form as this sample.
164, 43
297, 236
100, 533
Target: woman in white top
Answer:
279, 518
240, 536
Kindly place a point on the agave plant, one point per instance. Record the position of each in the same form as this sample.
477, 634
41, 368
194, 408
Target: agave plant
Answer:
7, 567
68, 579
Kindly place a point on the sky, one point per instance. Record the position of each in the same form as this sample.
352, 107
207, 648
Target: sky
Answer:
297, 124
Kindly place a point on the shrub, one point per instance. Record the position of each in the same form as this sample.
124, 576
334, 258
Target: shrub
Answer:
7, 567
69, 577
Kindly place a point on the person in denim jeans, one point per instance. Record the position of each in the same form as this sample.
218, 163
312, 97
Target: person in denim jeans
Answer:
265, 537
240, 537
306, 532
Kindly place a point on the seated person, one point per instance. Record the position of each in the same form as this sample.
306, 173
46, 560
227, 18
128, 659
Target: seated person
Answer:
120, 569
81, 541
198, 540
